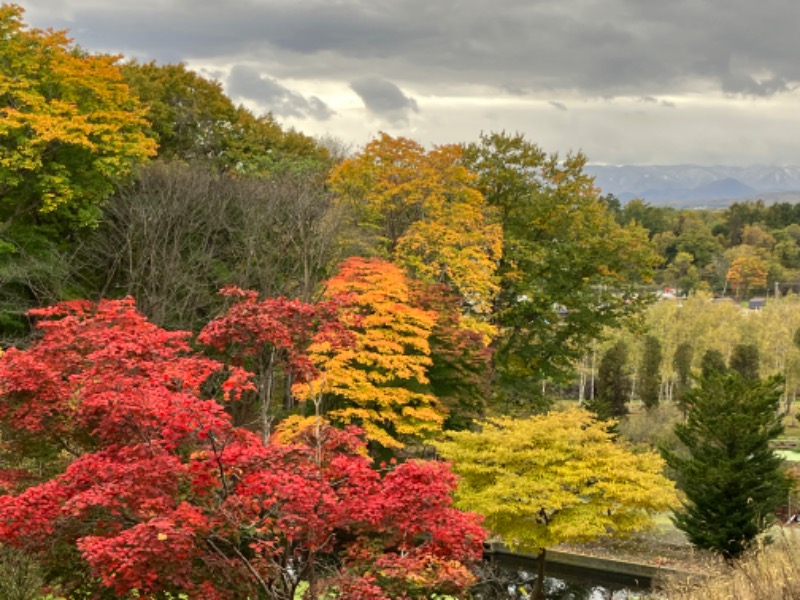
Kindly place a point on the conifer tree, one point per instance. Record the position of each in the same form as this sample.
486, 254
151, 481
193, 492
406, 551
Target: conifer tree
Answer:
649, 372
732, 479
745, 361
712, 362
613, 383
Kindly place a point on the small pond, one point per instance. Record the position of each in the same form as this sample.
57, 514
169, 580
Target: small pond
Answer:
514, 579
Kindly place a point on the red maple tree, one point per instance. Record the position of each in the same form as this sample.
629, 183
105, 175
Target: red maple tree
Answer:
160, 492
271, 337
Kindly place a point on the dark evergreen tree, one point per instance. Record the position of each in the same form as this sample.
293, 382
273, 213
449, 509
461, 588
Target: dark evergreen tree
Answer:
713, 362
796, 338
745, 361
732, 478
650, 372
613, 383
682, 363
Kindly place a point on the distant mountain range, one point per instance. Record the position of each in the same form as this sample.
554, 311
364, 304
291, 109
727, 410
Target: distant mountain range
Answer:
693, 186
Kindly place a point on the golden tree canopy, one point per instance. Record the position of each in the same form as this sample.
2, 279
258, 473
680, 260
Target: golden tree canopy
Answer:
69, 128
424, 212
556, 478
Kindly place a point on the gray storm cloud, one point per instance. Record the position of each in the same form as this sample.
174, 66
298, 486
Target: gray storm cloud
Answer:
615, 47
384, 99
640, 78
247, 82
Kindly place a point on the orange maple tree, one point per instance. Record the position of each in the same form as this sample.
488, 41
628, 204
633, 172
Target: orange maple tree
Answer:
746, 273
380, 382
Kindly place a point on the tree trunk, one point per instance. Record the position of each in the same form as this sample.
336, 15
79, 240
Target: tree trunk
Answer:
538, 589
266, 396
288, 397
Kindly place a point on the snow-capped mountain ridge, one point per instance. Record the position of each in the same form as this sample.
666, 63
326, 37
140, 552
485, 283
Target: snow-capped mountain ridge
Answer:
682, 184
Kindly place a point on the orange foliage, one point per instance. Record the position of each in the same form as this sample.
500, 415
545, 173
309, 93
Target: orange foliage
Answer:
380, 383
746, 273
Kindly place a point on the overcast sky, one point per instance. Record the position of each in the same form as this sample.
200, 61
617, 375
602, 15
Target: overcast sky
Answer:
626, 81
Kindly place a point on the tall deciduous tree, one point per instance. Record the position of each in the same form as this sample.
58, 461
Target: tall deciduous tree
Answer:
381, 382
461, 369
181, 232
555, 478
193, 120
161, 496
567, 269
69, 132
70, 128
732, 478
682, 363
422, 210
747, 273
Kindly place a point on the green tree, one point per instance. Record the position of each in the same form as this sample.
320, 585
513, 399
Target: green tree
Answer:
713, 362
70, 132
192, 119
732, 478
555, 478
695, 237
681, 273
460, 373
650, 372
655, 219
745, 360
740, 214
567, 269
188, 115
613, 383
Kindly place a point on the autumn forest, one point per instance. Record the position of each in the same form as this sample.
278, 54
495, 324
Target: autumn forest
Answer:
238, 362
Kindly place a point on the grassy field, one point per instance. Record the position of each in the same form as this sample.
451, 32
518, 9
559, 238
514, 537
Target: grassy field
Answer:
768, 573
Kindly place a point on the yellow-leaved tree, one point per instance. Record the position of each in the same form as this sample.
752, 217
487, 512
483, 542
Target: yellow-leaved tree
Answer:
380, 382
554, 478
69, 129
423, 211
